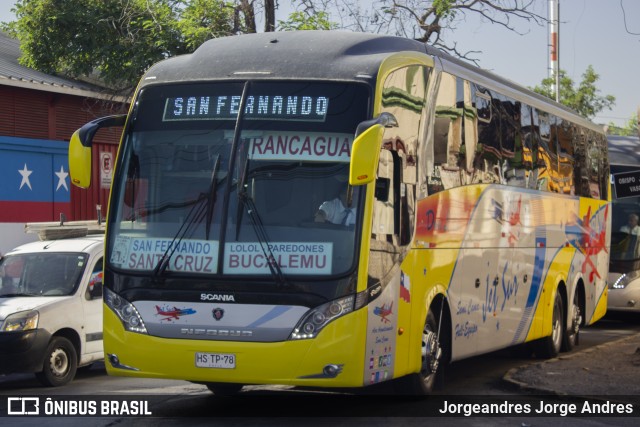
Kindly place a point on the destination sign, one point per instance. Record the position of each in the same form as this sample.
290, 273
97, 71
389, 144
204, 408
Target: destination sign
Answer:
627, 184
301, 146
258, 107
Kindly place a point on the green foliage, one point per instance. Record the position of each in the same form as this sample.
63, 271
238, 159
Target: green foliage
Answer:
304, 21
77, 38
113, 40
584, 98
202, 20
629, 129
444, 9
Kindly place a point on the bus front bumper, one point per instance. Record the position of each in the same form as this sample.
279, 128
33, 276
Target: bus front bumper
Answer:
335, 358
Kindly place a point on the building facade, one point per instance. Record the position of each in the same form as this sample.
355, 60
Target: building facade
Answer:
38, 115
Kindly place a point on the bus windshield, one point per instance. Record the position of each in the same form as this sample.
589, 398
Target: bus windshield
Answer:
625, 231
228, 178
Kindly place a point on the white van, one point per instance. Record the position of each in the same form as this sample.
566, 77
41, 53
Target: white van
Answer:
51, 308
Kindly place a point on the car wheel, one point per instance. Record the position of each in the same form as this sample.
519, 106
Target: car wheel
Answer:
60, 363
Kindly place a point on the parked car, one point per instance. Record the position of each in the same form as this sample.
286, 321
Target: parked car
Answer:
624, 257
51, 308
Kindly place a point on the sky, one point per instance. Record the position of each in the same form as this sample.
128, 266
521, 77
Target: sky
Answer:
592, 32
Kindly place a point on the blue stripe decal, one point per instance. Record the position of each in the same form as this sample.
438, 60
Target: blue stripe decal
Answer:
536, 282
272, 314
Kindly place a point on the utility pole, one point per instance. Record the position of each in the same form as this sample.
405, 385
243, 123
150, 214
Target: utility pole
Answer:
554, 45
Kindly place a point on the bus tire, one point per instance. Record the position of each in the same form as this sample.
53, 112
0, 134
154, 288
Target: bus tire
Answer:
432, 369
550, 346
224, 389
571, 335
60, 363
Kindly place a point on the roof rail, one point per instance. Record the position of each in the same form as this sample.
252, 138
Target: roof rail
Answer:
64, 230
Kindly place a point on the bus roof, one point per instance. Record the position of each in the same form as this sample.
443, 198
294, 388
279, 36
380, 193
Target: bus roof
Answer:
326, 55
291, 54
624, 150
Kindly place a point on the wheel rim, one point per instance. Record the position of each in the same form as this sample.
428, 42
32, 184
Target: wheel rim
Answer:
577, 318
431, 352
557, 326
59, 362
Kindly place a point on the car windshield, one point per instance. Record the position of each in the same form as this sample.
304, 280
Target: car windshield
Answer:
625, 229
41, 274
207, 190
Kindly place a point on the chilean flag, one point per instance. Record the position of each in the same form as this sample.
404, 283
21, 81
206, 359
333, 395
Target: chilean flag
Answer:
34, 180
405, 287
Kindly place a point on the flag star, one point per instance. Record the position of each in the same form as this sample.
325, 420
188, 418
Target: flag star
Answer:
25, 177
62, 178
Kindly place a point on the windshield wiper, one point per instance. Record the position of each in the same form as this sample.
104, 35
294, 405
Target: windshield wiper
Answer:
192, 217
213, 186
263, 239
195, 214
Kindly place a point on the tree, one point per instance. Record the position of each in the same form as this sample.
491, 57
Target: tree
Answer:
117, 40
629, 129
426, 21
300, 20
584, 99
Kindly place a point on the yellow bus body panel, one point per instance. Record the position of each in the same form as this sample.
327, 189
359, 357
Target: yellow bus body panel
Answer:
284, 362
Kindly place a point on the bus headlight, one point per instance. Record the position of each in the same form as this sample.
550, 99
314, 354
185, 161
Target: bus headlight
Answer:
313, 322
319, 317
127, 313
21, 321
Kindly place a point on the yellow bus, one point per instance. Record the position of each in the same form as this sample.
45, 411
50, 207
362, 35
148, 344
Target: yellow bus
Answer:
337, 210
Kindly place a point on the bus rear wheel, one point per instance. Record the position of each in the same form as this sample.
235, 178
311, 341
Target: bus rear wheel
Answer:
550, 346
571, 336
224, 389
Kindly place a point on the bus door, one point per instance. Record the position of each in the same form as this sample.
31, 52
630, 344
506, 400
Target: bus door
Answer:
390, 261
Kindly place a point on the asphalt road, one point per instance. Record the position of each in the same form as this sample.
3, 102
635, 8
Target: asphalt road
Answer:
178, 402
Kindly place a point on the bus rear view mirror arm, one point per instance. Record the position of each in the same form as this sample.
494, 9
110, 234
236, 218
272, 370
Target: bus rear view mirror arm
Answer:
365, 152
80, 148
386, 120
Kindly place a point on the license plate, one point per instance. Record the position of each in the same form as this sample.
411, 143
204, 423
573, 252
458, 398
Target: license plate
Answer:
215, 360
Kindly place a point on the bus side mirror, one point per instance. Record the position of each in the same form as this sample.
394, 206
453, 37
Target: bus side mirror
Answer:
365, 151
80, 160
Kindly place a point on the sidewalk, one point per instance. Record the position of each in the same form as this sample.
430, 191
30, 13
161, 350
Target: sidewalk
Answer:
609, 371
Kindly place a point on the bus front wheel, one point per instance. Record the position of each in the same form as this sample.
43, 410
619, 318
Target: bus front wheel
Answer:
431, 370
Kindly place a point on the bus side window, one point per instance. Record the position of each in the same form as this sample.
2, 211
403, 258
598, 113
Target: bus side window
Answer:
529, 146
566, 159
594, 165
383, 224
489, 152
449, 151
511, 142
